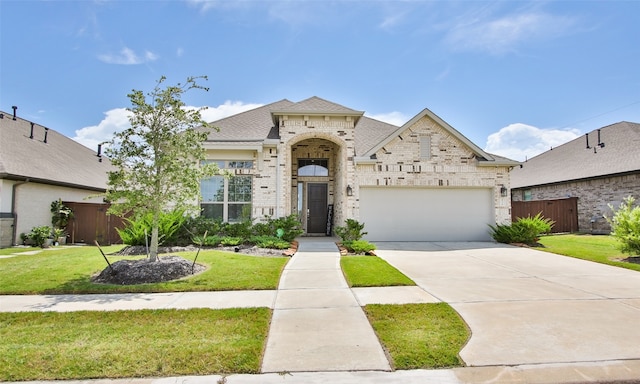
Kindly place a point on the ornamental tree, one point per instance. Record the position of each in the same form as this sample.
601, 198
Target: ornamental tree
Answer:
158, 157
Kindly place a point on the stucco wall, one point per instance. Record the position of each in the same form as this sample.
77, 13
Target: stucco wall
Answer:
594, 197
33, 204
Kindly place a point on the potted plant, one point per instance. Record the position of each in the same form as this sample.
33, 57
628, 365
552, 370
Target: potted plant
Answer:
61, 214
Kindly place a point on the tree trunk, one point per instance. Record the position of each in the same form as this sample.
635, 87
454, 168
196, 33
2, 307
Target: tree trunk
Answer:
153, 248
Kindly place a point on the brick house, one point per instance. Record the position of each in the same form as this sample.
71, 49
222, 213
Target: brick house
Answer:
600, 168
423, 181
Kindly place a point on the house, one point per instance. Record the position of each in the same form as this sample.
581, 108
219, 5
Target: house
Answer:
38, 166
597, 169
423, 181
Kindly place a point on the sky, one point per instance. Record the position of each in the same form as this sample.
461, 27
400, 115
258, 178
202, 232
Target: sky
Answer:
514, 77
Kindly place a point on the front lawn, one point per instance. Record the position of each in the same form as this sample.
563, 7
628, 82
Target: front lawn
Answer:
420, 336
598, 248
69, 271
371, 271
144, 343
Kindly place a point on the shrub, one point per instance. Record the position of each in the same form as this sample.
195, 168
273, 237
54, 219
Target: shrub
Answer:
286, 228
241, 230
39, 235
209, 241
134, 231
273, 242
196, 226
351, 232
229, 241
359, 246
525, 230
625, 226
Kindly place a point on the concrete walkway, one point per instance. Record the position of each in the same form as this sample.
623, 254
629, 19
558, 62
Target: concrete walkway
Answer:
318, 324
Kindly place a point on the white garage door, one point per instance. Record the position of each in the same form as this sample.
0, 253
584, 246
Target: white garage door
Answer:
426, 214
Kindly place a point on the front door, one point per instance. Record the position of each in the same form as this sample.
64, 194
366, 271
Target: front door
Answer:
316, 207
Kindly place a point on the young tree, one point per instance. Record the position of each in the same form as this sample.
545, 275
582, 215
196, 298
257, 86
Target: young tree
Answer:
158, 158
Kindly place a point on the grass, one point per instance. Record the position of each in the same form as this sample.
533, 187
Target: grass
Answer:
9, 251
144, 343
371, 271
420, 336
69, 271
599, 248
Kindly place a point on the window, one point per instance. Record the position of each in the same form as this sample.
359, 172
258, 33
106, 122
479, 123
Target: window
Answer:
227, 198
526, 195
425, 147
313, 167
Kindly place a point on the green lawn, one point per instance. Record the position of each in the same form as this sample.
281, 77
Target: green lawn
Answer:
69, 270
371, 271
420, 336
8, 251
144, 343
599, 248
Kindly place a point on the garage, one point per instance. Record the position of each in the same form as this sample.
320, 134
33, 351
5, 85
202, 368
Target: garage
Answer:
426, 214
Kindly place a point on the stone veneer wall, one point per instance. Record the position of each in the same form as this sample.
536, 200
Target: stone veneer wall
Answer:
451, 164
594, 197
6, 232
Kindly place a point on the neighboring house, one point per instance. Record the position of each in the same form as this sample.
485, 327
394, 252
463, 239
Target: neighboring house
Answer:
599, 168
39, 165
423, 181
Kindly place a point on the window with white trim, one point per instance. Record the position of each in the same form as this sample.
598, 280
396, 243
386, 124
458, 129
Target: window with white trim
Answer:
227, 198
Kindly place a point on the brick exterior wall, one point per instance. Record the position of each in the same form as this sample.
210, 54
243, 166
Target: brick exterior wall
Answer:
594, 197
450, 165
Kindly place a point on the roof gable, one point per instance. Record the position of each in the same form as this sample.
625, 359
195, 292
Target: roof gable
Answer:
484, 157
316, 105
574, 161
59, 160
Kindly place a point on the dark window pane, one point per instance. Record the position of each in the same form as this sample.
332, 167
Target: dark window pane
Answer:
212, 211
240, 188
239, 212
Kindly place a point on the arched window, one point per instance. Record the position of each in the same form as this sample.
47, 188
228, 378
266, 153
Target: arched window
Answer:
313, 167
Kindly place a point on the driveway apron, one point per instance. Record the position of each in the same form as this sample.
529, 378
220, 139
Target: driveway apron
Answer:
526, 306
317, 323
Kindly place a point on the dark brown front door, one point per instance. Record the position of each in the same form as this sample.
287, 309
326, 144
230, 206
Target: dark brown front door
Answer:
317, 208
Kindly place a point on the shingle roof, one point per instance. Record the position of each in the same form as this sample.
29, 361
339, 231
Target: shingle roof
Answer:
59, 161
317, 105
573, 161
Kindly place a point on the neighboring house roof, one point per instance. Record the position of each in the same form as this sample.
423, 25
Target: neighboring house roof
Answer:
574, 161
260, 124
58, 161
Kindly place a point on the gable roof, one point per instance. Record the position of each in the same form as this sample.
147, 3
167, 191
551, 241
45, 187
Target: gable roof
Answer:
483, 157
58, 161
574, 161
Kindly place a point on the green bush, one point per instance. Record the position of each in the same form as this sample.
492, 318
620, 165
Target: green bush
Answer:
209, 241
39, 235
358, 246
286, 228
351, 232
273, 242
134, 231
229, 241
241, 230
196, 226
525, 230
625, 226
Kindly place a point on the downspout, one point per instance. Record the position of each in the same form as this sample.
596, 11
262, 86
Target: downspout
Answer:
13, 209
278, 182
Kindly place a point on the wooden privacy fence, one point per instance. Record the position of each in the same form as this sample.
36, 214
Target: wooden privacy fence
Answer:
563, 211
91, 223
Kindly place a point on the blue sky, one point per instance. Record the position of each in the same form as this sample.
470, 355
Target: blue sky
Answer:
515, 77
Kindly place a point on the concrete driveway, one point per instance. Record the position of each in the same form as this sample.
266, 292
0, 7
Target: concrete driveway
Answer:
526, 306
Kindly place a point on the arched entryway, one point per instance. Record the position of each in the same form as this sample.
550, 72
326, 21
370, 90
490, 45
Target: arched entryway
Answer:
317, 180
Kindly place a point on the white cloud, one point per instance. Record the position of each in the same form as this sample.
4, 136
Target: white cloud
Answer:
395, 118
128, 57
116, 120
521, 141
499, 35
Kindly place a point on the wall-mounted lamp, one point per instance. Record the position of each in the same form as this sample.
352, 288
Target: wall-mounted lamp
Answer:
503, 191
349, 190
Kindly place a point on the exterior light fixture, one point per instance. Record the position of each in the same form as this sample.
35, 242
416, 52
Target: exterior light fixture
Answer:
349, 190
503, 191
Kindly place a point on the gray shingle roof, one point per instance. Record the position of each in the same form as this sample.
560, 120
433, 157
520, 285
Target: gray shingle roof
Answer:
59, 161
573, 161
317, 105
